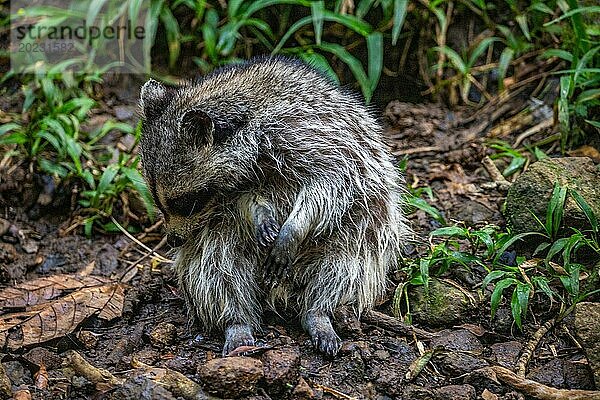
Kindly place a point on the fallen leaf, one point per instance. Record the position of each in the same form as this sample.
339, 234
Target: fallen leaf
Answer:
487, 395
46, 321
40, 290
586, 151
41, 377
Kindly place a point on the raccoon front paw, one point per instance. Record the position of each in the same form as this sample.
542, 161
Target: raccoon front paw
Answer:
327, 342
280, 258
267, 231
237, 335
321, 332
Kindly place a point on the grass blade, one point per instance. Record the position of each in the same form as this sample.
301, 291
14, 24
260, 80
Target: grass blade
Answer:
375, 51
400, 7
317, 10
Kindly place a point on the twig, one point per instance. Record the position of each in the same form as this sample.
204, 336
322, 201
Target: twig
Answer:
142, 245
98, 376
545, 124
417, 150
530, 347
539, 391
392, 324
333, 392
128, 274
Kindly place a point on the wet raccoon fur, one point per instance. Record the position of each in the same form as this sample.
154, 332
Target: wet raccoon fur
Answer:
278, 189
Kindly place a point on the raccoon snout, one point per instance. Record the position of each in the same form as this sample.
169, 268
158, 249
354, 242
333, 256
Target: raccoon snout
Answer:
175, 240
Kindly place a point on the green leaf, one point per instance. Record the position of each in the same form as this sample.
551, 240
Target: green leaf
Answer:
485, 238
522, 21
421, 204
424, 272
542, 283
454, 58
587, 210
52, 168
400, 7
139, 184
375, 51
93, 10
516, 164
14, 138
497, 293
511, 241
587, 10
452, 231
292, 29
493, 276
11, 126
555, 209
107, 177
173, 36
588, 95
320, 63
505, 59
481, 47
233, 7
559, 53
317, 10
353, 63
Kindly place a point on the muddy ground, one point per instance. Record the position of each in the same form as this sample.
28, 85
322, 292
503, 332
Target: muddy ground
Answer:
140, 351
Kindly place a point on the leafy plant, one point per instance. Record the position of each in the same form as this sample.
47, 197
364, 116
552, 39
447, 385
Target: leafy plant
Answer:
52, 140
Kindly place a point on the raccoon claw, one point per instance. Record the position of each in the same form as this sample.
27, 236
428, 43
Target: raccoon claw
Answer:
268, 230
327, 342
280, 258
237, 335
322, 334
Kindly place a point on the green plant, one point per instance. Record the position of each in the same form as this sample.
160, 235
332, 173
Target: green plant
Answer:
51, 138
535, 274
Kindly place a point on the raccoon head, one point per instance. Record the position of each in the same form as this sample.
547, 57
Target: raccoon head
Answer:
195, 153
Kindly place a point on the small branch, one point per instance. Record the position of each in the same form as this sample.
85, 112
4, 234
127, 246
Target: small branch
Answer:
394, 325
539, 391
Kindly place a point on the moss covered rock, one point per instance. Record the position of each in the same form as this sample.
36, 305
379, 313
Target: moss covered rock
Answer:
530, 194
440, 306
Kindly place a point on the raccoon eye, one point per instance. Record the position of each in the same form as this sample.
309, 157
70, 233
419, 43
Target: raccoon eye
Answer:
190, 203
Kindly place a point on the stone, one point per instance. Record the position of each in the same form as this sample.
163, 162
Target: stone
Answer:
41, 355
587, 328
303, 391
441, 306
231, 377
531, 192
281, 369
457, 340
456, 363
506, 354
455, 392
163, 334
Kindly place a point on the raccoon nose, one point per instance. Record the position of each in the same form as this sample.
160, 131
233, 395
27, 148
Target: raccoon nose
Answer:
175, 240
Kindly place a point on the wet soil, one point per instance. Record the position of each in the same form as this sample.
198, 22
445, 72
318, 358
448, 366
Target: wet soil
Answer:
375, 362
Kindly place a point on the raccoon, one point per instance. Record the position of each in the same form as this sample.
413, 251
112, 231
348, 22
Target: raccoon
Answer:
277, 191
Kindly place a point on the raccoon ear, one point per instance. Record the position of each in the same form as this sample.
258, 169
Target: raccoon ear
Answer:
197, 127
154, 97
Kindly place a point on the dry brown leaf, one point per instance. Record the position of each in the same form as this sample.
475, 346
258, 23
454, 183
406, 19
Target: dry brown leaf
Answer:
40, 290
41, 377
47, 321
586, 151
22, 394
487, 395
176, 382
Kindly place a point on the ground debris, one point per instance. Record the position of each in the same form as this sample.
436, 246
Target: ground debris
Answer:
231, 377
45, 320
174, 381
539, 391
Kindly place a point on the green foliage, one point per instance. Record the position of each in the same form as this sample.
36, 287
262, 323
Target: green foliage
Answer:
52, 139
459, 246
